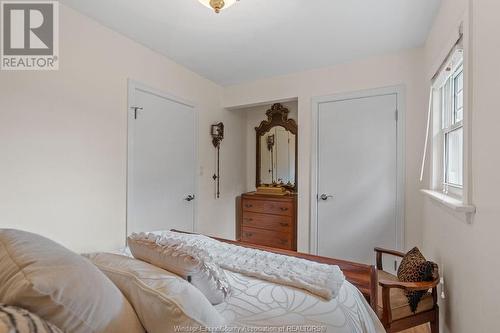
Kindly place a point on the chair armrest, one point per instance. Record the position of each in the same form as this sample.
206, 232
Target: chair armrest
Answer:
410, 286
379, 251
387, 285
391, 252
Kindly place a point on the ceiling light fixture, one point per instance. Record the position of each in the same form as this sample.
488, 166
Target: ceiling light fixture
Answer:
218, 5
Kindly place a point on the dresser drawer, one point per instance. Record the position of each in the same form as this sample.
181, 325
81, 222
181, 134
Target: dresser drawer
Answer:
268, 207
265, 237
268, 222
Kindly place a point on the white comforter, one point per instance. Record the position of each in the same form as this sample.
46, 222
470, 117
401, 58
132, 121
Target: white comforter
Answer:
262, 306
270, 307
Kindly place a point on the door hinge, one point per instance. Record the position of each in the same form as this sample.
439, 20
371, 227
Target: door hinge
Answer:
135, 108
396, 115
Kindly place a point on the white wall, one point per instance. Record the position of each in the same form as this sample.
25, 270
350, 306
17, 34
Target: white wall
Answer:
468, 253
63, 146
63, 139
253, 117
393, 69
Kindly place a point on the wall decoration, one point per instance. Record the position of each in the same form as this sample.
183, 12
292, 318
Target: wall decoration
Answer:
217, 133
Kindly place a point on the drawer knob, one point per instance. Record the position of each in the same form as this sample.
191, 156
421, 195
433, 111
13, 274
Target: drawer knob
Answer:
283, 209
248, 234
248, 219
248, 205
283, 224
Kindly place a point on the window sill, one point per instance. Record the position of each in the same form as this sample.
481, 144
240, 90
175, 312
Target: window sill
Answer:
450, 202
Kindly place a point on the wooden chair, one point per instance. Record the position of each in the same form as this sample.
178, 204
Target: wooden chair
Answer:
392, 305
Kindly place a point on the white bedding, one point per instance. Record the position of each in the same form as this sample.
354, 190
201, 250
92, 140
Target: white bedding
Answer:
262, 306
256, 303
320, 279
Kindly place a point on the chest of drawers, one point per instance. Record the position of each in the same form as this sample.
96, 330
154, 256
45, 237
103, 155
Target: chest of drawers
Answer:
268, 220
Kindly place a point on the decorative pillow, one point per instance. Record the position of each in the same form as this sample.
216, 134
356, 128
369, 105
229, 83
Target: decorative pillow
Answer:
415, 268
61, 286
161, 299
18, 320
192, 264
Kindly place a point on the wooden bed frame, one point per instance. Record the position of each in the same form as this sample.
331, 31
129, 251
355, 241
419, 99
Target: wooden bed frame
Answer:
364, 277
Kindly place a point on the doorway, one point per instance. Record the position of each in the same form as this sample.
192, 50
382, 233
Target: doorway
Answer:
162, 161
358, 174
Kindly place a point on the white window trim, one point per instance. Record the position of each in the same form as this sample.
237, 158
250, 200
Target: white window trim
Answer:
450, 202
448, 188
463, 204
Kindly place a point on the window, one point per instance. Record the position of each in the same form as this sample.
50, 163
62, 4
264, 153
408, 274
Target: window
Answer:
448, 130
449, 92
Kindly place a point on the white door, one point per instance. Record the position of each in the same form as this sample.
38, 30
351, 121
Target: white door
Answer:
357, 177
161, 162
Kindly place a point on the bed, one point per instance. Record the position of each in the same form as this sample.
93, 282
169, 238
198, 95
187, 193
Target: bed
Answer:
262, 305
115, 292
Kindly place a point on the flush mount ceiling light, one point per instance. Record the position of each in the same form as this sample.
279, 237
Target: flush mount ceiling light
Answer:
218, 5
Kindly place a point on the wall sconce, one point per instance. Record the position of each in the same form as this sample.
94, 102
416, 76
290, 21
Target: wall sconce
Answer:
270, 147
217, 133
270, 142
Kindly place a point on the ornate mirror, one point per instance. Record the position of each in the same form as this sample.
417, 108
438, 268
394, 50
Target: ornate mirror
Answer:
277, 149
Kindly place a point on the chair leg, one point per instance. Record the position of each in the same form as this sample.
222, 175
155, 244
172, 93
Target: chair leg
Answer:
435, 325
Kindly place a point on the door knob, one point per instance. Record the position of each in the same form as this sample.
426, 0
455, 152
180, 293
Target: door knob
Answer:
325, 197
190, 197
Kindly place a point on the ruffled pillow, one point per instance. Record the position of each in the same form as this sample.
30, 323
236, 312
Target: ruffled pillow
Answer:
191, 263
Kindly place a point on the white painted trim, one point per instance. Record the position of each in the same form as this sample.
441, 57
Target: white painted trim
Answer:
469, 103
132, 87
401, 165
400, 92
262, 103
450, 202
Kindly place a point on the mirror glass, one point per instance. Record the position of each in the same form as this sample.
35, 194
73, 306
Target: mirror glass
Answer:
277, 150
277, 157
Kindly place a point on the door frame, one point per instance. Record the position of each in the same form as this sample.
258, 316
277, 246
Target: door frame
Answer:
132, 87
400, 93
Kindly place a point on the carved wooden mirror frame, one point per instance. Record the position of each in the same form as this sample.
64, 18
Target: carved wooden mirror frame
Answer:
277, 115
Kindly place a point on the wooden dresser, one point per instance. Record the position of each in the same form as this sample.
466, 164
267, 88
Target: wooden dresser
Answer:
268, 220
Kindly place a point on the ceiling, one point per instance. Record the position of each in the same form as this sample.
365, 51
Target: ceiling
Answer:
261, 38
